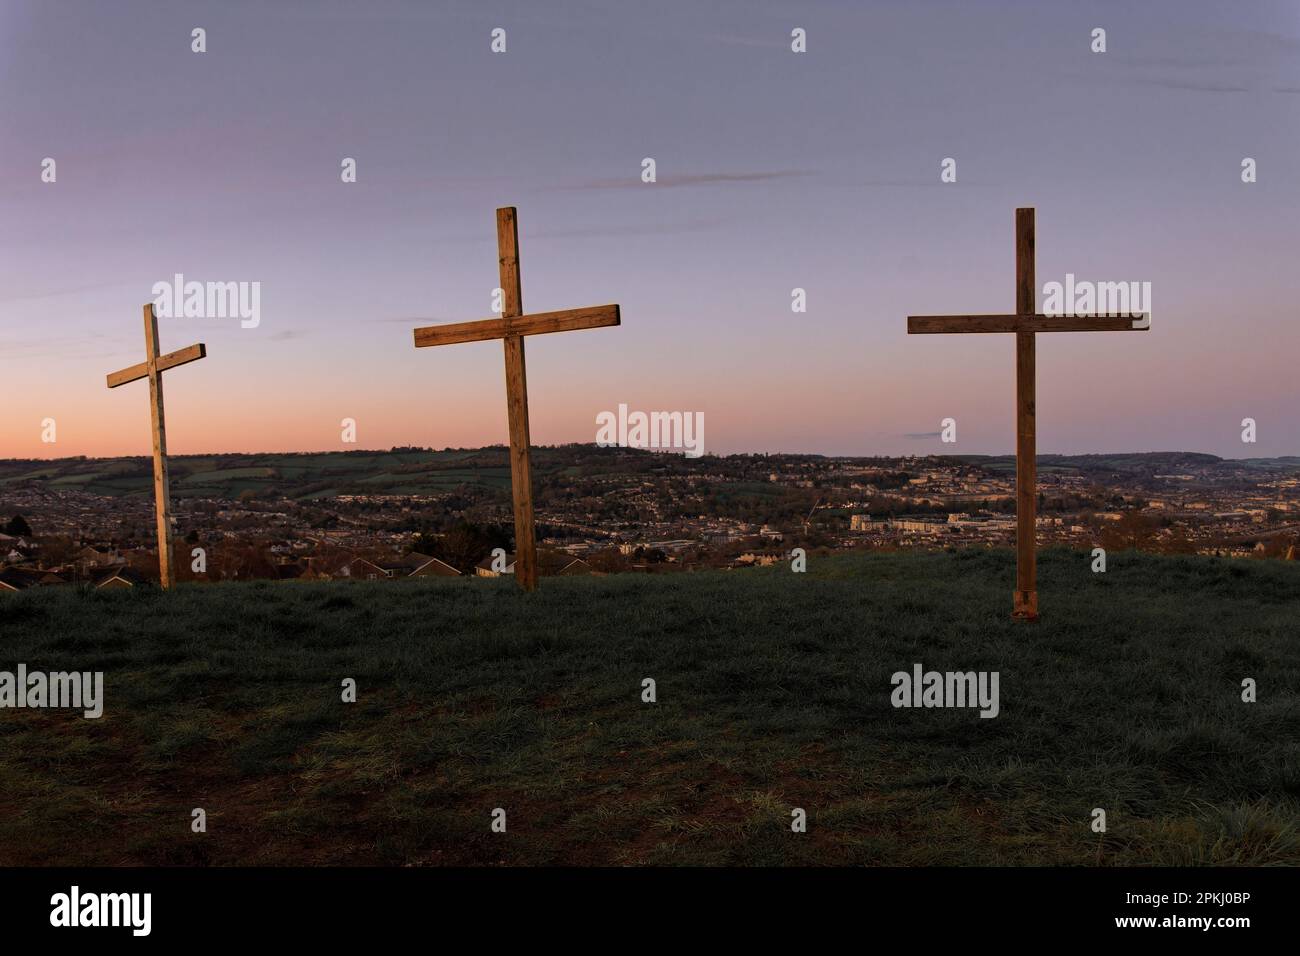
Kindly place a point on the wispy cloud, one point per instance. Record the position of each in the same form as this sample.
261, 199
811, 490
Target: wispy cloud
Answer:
919, 436
768, 43
653, 229
588, 232
414, 320
87, 344
698, 179
58, 293
1226, 61
908, 184
1193, 87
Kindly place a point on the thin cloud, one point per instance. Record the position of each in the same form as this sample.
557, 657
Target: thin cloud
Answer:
700, 179
918, 436
909, 184
765, 43
88, 344
58, 293
1193, 87
588, 232
1127, 79
415, 320
664, 229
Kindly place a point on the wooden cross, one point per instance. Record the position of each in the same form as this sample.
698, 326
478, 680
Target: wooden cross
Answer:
1024, 323
512, 327
152, 368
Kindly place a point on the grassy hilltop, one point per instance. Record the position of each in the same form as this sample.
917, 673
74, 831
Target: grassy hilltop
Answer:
773, 693
414, 471
320, 475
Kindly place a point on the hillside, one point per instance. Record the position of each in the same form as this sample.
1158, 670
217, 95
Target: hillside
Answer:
325, 474
773, 693
413, 471
1100, 467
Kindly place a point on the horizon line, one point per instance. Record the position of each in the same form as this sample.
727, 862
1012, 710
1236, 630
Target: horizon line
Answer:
649, 451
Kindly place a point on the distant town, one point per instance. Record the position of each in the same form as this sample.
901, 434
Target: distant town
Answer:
416, 512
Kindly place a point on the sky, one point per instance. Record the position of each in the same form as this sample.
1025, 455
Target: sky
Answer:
775, 170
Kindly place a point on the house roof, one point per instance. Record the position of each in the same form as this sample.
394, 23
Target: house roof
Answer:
126, 575
434, 563
18, 578
548, 563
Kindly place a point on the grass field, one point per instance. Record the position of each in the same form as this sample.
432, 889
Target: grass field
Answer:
773, 693
397, 472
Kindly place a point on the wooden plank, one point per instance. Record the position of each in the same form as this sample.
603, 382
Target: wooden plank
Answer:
566, 320
521, 473
1024, 604
161, 485
191, 353
1026, 322
508, 262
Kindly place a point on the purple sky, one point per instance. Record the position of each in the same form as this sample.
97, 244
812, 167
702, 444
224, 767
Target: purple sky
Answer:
776, 170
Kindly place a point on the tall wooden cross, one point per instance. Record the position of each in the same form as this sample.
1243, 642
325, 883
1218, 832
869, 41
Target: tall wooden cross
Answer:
1024, 323
152, 368
512, 327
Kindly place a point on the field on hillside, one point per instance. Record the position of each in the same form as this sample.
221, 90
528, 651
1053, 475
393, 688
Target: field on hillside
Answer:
773, 693
394, 472
410, 471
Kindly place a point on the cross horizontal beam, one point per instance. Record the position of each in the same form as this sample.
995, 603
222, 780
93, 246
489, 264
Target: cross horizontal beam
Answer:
191, 353
569, 320
1011, 322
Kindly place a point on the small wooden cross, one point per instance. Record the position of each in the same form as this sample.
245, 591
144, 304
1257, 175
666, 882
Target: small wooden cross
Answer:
1024, 323
152, 368
512, 327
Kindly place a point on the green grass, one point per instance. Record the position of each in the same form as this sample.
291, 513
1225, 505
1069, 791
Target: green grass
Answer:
213, 477
227, 476
773, 693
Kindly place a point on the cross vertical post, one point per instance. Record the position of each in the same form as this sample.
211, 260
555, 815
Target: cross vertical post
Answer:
1025, 603
511, 327
521, 468
1026, 323
152, 368
162, 494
